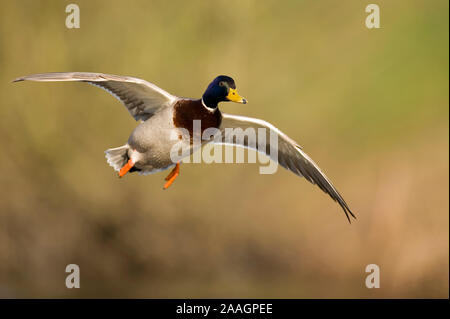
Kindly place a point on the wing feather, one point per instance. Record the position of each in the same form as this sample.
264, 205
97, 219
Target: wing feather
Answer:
141, 98
289, 155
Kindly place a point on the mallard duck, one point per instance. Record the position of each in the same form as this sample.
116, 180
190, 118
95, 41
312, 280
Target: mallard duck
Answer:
163, 115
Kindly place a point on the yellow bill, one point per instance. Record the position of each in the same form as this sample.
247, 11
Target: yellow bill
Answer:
233, 96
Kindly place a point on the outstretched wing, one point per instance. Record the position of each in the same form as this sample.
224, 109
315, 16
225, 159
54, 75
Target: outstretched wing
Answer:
141, 98
289, 154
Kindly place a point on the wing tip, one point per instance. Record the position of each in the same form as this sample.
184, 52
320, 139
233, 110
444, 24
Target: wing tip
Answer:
20, 79
348, 212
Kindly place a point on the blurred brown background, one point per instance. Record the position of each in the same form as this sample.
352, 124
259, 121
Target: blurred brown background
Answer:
370, 106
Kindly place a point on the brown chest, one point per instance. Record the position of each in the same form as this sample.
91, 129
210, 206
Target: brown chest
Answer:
187, 111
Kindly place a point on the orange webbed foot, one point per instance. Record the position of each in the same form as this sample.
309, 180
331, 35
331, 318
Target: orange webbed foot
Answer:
172, 176
126, 168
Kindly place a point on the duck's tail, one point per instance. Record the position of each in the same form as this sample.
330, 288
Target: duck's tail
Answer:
117, 157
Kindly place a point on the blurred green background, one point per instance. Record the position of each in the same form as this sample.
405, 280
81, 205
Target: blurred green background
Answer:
369, 106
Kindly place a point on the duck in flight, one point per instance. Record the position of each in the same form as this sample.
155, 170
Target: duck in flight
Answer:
163, 115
